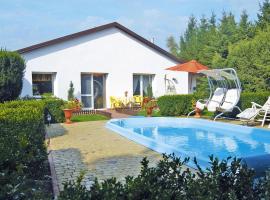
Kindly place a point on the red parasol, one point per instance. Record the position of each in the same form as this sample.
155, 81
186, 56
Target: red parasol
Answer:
192, 66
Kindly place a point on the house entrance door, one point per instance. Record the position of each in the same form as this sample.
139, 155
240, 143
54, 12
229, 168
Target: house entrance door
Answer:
93, 91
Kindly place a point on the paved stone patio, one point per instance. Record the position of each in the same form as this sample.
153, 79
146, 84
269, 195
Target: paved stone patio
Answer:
98, 152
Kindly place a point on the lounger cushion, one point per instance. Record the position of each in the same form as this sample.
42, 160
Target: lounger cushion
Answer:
231, 99
216, 100
248, 114
200, 105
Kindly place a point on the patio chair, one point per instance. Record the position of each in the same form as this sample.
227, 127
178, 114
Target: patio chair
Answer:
256, 110
115, 103
137, 100
230, 102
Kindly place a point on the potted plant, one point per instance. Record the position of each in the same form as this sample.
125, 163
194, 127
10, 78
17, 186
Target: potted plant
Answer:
77, 105
197, 110
149, 107
68, 109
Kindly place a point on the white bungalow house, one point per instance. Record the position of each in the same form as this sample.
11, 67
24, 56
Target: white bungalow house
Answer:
101, 62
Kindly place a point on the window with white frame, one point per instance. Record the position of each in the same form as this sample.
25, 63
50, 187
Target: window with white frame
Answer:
140, 83
42, 83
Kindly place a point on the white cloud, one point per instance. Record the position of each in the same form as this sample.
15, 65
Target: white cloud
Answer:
153, 13
92, 21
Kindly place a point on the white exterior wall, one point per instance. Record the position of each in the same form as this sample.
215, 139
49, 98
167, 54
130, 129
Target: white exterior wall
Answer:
110, 51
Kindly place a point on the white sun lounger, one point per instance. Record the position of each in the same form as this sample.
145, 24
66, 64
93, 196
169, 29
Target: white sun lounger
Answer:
256, 111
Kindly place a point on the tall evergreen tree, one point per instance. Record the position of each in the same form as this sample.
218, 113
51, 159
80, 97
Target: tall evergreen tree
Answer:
212, 20
243, 46
264, 15
228, 33
245, 29
172, 45
189, 50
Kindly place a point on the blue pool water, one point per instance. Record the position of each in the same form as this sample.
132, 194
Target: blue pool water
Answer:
197, 138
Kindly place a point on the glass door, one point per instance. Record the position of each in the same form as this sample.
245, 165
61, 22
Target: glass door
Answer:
93, 91
99, 90
86, 90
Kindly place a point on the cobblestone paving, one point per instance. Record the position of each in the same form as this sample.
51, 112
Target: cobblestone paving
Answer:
68, 167
55, 130
91, 148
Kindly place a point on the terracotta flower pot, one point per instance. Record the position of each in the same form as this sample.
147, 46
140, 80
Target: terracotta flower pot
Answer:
149, 111
197, 113
68, 115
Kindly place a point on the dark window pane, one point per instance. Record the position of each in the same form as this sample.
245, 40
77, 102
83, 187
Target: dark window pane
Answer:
87, 101
136, 85
42, 87
42, 83
147, 81
86, 84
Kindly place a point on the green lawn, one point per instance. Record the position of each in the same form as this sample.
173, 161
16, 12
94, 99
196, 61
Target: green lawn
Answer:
156, 113
85, 118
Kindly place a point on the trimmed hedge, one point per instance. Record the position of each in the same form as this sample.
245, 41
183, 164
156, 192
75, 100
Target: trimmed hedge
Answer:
49, 105
23, 154
176, 105
53, 107
248, 97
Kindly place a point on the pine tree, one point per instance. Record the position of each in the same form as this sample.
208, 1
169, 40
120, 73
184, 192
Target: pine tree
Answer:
264, 15
213, 21
243, 46
172, 45
245, 27
190, 50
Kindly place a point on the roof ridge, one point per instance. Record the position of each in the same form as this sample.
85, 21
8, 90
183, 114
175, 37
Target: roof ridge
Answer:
94, 30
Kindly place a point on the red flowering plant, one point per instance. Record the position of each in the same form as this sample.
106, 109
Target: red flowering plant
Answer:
74, 104
77, 104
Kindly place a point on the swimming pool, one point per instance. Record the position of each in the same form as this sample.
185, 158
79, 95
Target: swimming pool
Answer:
198, 138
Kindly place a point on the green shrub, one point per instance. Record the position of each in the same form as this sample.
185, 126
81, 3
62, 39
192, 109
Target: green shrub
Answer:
23, 153
12, 68
257, 97
175, 105
171, 180
50, 106
53, 107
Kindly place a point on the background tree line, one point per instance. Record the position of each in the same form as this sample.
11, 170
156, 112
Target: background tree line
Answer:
243, 45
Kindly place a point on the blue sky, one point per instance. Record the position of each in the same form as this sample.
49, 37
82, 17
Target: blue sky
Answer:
27, 22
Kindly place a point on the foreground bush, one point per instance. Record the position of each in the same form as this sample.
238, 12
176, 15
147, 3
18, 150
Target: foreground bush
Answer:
176, 105
53, 106
170, 180
23, 155
11, 74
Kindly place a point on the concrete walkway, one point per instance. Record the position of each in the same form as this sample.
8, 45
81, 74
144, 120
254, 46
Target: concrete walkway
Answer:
98, 152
